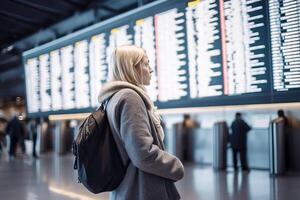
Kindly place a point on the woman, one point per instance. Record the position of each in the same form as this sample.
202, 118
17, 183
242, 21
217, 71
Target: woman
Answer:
136, 128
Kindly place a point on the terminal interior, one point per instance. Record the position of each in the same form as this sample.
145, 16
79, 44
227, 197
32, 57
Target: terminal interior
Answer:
211, 59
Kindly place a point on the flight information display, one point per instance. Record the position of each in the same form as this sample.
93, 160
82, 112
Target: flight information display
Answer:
98, 66
170, 55
68, 77
32, 85
56, 83
204, 50
202, 53
45, 87
285, 42
245, 48
81, 73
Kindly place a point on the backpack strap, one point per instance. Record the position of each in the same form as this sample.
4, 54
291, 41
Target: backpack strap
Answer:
103, 106
104, 103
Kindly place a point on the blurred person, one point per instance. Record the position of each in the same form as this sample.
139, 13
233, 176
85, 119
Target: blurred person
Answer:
137, 130
288, 138
188, 122
238, 141
187, 125
281, 115
2, 132
15, 130
33, 131
23, 136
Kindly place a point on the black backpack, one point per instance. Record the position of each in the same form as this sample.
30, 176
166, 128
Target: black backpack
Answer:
97, 159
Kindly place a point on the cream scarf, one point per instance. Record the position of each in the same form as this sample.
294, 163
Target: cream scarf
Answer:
111, 87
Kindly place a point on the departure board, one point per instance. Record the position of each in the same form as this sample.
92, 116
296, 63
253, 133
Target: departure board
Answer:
202, 53
32, 85
56, 77
204, 50
98, 67
45, 87
169, 35
245, 47
81, 73
285, 42
68, 79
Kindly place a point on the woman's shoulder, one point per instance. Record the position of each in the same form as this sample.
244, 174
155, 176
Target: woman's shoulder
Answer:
126, 102
128, 96
127, 92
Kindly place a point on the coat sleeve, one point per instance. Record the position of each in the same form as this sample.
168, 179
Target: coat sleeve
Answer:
247, 127
7, 128
138, 141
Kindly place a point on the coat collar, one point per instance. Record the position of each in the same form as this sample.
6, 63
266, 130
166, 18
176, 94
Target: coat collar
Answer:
114, 86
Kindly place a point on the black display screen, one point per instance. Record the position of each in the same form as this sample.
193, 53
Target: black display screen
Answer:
203, 53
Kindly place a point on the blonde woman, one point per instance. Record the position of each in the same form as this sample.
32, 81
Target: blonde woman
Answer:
136, 128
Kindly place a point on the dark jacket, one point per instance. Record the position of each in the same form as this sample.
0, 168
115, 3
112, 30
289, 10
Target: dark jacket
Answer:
14, 128
238, 138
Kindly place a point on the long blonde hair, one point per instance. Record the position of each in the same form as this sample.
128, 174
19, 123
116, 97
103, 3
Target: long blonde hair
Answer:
125, 64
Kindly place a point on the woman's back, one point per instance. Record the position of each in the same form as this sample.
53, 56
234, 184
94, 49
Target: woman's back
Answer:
151, 171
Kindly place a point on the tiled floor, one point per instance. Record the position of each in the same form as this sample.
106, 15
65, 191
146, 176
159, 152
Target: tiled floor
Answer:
52, 177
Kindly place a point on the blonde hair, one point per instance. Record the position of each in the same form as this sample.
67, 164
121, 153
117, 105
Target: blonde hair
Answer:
125, 64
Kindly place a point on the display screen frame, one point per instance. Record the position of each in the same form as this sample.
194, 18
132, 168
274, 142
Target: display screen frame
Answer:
270, 96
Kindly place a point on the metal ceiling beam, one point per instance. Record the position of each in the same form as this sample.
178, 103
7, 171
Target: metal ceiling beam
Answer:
19, 19
140, 2
129, 7
40, 7
11, 75
29, 29
10, 59
107, 8
7, 31
5, 39
18, 36
14, 58
66, 26
72, 4
62, 28
82, 3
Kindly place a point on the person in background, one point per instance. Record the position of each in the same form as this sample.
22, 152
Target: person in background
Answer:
23, 137
281, 115
2, 132
15, 130
238, 141
287, 137
187, 138
188, 122
33, 129
137, 130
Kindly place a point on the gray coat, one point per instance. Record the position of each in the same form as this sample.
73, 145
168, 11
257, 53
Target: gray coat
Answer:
152, 171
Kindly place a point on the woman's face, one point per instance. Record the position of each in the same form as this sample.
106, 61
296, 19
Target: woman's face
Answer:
145, 71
